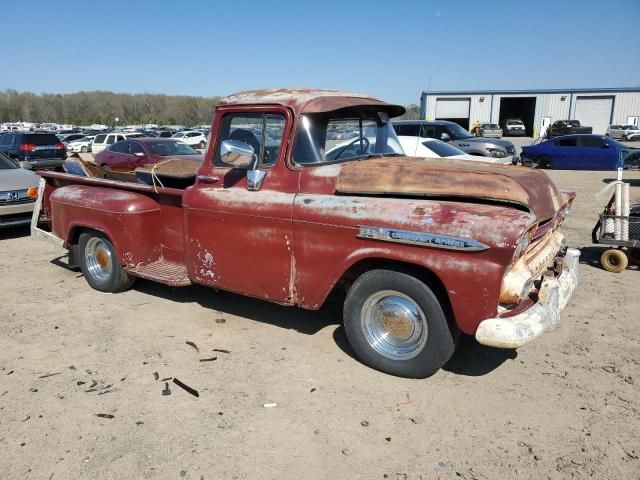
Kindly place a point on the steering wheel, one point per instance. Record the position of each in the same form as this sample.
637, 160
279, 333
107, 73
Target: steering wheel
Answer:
364, 140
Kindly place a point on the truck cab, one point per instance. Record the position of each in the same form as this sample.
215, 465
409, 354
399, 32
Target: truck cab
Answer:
304, 193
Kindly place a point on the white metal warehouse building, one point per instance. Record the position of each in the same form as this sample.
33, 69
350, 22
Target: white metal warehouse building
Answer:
595, 107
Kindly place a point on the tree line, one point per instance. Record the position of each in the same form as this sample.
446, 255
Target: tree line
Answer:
103, 107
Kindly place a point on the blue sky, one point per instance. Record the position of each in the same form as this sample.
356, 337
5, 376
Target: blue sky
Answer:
391, 49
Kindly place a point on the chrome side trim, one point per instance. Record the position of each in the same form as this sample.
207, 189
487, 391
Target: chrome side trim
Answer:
422, 239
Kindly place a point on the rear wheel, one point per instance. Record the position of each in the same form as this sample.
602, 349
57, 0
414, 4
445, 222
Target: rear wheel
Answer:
202, 145
100, 264
614, 260
395, 324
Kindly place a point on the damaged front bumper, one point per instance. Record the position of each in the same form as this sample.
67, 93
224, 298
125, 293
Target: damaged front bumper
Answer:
553, 296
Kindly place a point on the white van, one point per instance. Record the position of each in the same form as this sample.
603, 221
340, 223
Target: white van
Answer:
103, 140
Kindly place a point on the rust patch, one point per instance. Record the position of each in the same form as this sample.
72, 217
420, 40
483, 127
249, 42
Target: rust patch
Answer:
452, 178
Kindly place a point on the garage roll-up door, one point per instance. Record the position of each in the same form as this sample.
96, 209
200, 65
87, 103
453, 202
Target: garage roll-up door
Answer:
452, 107
594, 112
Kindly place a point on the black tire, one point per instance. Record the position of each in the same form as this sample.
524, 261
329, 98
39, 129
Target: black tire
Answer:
429, 355
105, 167
202, 145
83, 149
103, 270
544, 161
614, 261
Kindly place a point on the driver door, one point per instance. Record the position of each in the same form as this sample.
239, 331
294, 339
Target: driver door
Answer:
241, 240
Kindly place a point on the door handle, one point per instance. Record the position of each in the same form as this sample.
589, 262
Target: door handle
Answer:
207, 179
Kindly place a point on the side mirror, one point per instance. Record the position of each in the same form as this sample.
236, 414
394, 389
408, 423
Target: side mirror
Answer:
139, 154
236, 153
445, 137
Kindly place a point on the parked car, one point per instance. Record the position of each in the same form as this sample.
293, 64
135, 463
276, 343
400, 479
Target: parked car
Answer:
192, 138
35, 151
626, 133
103, 140
66, 139
566, 127
18, 191
457, 136
164, 133
128, 155
430, 147
82, 145
578, 152
490, 130
513, 127
422, 249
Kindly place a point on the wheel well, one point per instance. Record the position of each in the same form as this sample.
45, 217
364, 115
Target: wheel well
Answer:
421, 273
75, 233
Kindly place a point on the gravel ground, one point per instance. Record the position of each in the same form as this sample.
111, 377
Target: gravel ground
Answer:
81, 393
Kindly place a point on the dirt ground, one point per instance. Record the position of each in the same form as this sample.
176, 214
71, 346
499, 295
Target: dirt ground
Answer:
565, 406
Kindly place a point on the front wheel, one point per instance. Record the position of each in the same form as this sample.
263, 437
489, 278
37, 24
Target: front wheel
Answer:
201, 145
544, 161
83, 149
395, 324
100, 264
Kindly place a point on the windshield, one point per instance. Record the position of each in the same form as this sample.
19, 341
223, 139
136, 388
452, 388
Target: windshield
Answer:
6, 163
442, 149
457, 131
489, 125
178, 135
514, 122
164, 149
345, 134
629, 127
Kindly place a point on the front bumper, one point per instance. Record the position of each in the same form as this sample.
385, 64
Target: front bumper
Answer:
515, 133
520, 329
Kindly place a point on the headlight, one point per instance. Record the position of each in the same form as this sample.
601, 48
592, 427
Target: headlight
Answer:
496, 152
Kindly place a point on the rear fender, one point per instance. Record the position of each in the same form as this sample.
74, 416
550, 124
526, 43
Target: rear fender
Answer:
130, 220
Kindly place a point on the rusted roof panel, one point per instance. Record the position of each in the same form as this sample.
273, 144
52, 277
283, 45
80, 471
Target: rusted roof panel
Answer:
309, 100
452, 178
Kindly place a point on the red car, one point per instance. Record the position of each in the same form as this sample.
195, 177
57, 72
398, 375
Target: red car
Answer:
127, 155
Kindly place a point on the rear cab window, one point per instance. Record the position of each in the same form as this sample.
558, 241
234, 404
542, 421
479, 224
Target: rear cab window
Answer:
99, 138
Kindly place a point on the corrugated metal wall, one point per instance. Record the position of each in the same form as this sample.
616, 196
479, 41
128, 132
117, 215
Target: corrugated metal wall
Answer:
486, 107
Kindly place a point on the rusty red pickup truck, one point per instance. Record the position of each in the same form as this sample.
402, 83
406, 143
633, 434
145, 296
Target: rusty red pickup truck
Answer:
302, 193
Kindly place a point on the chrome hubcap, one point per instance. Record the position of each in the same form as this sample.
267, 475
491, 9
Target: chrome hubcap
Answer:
394, 325
98, 259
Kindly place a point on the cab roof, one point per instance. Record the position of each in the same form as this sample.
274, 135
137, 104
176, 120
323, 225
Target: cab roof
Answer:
309, 100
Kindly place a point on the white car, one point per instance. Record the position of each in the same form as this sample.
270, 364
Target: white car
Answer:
624, 132
192, 138
81, 145
103, 140
433, 148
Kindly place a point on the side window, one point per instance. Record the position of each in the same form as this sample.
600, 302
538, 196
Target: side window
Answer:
120, 147
99, 138
110, 139
592, 142
567, 142
252, 129
439, 130
135, 148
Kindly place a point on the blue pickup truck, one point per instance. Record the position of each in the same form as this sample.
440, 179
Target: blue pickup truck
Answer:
579, 152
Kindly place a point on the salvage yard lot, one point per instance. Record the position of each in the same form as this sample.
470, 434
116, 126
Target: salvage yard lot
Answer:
567, 405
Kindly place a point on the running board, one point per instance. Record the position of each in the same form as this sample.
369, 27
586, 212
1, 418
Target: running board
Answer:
37, 232
168, 273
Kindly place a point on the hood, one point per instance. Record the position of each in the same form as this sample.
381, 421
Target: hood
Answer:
527, 188
495, 141
17, 179
192, 158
